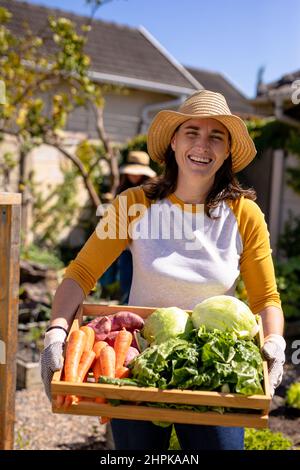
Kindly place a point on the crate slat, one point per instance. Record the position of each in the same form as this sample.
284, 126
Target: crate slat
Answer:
171, 416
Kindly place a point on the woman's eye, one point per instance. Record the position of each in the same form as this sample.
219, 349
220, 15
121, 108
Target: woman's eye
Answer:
216, 137
191, 133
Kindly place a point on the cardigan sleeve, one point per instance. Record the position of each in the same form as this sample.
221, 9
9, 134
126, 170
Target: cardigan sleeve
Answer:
256, 264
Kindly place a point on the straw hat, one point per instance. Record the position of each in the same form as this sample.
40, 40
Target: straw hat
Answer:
202, 104
137, 164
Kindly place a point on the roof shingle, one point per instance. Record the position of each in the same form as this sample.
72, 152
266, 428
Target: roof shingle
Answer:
113, 48
215, 81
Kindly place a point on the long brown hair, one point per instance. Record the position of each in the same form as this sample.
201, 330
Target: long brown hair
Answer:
226, 185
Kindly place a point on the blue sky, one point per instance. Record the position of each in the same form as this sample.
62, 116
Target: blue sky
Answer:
234, 37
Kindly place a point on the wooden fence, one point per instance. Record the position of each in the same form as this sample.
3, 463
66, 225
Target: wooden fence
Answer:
10, 222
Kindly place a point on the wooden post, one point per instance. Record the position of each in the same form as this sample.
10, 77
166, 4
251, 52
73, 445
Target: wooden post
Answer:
10, 219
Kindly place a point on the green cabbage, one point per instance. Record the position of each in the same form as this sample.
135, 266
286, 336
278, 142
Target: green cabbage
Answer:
165, 323
224, 312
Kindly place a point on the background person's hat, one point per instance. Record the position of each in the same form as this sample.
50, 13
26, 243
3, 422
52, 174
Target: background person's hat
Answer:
137, 164
202, 104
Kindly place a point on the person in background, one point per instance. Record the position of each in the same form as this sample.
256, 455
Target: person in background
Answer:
136, 171
201, 146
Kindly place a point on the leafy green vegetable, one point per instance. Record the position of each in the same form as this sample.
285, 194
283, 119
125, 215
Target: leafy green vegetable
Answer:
224, 312
203, 360
114, 381
265, 439
165, 323
293, 395
255, 439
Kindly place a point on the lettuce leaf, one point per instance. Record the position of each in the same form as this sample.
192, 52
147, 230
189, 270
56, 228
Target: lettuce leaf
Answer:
203, 360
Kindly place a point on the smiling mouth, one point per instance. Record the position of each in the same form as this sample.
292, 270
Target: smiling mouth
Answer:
200, 160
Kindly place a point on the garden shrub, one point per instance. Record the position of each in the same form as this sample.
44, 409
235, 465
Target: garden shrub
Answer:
264, 439
293, 395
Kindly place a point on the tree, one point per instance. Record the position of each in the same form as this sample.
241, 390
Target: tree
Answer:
46, 78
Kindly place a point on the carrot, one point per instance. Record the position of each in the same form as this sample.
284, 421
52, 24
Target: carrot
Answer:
108, 361
108, 369
121, 346
98, 346
122, 372
74, 350
85, 363
97, 365
90, 337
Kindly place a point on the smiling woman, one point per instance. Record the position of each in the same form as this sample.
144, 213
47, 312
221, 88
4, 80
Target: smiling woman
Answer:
201, 147
203, 144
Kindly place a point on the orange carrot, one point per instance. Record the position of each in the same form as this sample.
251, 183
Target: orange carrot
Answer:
108, 369
108, 361
74, 350
122, 373
121, 346
90, 337
85, 363
98, 346
97, 365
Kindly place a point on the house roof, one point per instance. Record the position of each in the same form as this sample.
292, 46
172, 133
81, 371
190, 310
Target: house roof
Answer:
119, 54
215, 81
279, 91
285, 80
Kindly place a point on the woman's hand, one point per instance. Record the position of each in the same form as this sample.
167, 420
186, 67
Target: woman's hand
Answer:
51, 357
273, 352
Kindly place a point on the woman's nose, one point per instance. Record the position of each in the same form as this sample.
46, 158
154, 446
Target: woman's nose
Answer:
202, 142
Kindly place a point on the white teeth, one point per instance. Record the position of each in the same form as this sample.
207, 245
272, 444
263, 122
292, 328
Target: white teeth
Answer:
200, 159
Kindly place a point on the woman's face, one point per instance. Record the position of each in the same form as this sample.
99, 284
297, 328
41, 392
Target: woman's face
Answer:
135, 179
200, 146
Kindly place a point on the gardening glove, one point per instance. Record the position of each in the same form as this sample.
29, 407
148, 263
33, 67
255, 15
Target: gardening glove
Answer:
51, 358
273, 352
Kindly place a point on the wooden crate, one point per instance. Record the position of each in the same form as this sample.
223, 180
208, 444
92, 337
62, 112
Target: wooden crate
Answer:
258, 404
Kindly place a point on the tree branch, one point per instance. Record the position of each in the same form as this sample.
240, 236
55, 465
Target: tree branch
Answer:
112, 157
77, 162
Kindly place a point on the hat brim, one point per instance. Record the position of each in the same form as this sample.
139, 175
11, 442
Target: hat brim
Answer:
166, 122
137, 170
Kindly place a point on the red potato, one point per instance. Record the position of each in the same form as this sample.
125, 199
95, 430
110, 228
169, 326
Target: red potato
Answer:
101, 326
132, 353
124, 319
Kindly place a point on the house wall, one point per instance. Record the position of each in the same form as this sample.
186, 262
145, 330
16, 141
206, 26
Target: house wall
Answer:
122, 119
290, 199
122, 114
